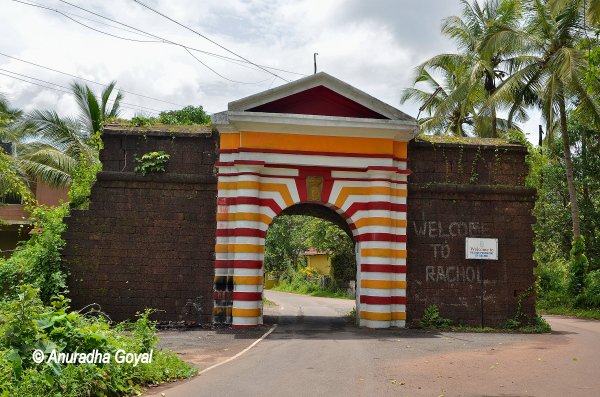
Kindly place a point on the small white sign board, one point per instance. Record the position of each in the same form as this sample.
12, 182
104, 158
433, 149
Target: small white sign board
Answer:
481, 248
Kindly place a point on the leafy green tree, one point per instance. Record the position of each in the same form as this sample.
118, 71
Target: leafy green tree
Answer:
50, 147
488, 37
186, 116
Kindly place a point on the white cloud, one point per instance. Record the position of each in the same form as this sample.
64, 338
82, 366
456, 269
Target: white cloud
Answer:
373, 45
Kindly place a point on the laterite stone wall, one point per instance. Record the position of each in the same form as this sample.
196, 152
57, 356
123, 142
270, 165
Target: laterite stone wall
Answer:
148, 241
468, 190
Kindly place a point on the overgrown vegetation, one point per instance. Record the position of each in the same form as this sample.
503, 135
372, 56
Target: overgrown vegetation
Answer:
188, 115
290, 236
152, 162
432, 319
34, 314
512, 55
27, 324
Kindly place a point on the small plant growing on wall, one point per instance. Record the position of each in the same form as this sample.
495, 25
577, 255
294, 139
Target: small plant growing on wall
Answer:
152, 162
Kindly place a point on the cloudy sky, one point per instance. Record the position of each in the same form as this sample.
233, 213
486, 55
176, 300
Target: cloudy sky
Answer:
373, 45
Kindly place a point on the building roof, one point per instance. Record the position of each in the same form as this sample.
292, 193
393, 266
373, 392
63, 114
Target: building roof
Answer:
326, 87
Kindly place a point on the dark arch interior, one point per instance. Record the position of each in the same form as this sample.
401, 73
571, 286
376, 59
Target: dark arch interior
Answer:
319, 211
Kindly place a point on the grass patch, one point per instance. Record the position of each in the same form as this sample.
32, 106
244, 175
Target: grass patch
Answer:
267, 302
311, 291
591, 314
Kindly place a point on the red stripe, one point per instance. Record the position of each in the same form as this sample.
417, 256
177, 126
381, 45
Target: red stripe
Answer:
376, 205
247, 296
383, 268
272, 204
243, 326
240, 264
372, 180
241, 232
396, 238
383, 300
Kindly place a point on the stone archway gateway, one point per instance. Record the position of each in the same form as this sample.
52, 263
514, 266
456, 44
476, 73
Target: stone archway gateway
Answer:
316, 140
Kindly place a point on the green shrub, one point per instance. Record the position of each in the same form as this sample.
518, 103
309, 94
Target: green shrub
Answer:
152, 162
579, 267
432, 319
37, 261
186, 116
590, 296
26, 324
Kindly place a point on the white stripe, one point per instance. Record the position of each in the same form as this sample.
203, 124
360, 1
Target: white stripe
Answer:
383, 244
222, 225
383, 276
315, 160
399, 231
379, 214
246, 304
398, 308
247, 256
375, 308
247, 288
247, 272
244, 320
398, 323
224, 272
251, 208
241, 240
374, 324
374, 260
375, 291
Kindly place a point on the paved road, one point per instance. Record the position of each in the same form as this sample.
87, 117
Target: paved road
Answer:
311, 354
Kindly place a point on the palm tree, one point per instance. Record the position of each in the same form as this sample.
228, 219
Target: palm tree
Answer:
447, 100
488, 37
553, 69
50, 147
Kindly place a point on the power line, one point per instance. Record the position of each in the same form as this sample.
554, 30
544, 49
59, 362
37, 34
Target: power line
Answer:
167, 41
128, 39
219, 74
207, 38
67, 90
88, 80
99, 22
81, 23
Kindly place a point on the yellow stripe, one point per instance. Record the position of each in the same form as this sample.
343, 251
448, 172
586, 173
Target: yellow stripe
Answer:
383, 252
244, 216
383, 284
237, 312
398, 315
375, 316
248, 248
280, 188
219, 309
247, 280
316, 143
230, 141
379, 221
400, 150
366, 191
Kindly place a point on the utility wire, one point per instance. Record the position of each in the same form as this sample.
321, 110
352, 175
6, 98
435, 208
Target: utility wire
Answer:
207, 38
128, 39
81, 23
54, 88
67, 89
226, 58
219, 74
88, 80
100, 22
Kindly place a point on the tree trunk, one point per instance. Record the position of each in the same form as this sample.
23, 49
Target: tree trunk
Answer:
569, 167
494, 123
